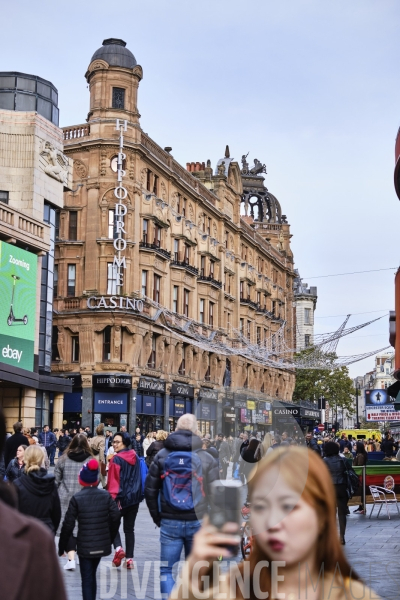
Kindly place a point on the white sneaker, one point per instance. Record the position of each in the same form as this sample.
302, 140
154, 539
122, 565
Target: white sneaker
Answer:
70, 565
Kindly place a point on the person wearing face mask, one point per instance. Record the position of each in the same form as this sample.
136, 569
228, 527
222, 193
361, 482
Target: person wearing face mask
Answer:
295, 549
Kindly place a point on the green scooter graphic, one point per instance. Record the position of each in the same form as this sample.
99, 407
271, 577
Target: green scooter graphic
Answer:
11, 319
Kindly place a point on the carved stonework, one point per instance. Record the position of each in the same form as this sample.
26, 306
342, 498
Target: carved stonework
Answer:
80, 169
143, 174
103, 163
54, 163
87, 381
163, 191
131, 168
93, 185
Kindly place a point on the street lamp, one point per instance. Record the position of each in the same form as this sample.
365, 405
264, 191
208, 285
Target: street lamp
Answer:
358, 389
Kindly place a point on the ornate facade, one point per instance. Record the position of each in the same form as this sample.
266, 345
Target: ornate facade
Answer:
138, 271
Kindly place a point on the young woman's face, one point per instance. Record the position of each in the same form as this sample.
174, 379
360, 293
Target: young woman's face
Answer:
286, 526
20, 453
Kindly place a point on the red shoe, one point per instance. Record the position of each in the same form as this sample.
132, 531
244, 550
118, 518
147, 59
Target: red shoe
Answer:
129, 564
118, 556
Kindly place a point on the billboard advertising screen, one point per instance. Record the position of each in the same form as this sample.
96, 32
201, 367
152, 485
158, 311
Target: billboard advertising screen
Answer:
18, 276
377, 398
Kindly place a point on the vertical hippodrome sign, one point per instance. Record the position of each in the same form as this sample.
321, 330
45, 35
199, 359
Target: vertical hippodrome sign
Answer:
120, 209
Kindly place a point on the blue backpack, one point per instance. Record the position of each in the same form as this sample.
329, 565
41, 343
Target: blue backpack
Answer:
183, 480
144, 469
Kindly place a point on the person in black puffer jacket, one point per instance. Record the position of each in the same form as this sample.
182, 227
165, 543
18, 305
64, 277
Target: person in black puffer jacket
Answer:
16, 466
98, 522
63, 442
37, 491
156, 446
337, 467
177, 527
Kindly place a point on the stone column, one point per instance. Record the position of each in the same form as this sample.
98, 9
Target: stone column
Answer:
58, 409
219, 417
132, 411
87, 407
166, 412
28, 405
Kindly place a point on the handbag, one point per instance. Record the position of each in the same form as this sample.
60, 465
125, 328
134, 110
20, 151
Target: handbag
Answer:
352, 480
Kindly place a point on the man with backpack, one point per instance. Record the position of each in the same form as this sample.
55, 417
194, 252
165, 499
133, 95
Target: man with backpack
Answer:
176, 493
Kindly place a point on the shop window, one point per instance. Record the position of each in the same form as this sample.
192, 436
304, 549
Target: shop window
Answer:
212, 266
75, 348
151, 363
111, 279
202, 266
145, 231
112, 229
201, 311
71, 283
227, 375
54, 343
186, 302
144, 283
187, 254
157, 236
175, 298
211, 314
73, 226
156, 288
55, 281
57, 225
155, 185
118, 97
107, 343
4, 196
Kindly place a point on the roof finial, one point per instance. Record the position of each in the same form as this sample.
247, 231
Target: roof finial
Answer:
227, 154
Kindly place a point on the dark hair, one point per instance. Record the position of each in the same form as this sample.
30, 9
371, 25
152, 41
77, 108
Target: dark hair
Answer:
253, 445
78, 443
44, 426
360, 448
124, 435
8, 493
220, 435
17, 427
331, 449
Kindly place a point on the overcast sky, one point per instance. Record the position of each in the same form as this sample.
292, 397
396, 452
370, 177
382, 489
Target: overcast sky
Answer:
308, 87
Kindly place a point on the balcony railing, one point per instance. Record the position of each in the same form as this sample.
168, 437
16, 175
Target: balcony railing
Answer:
76, 131
155, 247
249, 302
185, 265
210, 279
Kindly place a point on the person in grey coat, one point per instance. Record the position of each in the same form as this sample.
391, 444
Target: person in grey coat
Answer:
66, 473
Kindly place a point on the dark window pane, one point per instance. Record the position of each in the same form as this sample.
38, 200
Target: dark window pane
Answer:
43, 90
7, 100
118, 97
4, 197
55, 116
44, 108
26, 84
73, 225
7, 82
25, 102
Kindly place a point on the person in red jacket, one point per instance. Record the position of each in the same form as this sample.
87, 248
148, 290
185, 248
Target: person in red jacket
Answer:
125, 486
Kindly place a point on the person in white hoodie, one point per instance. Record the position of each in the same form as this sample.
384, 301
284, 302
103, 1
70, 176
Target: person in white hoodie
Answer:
146, 442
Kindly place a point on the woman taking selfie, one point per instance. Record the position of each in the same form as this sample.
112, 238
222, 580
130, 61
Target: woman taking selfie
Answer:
294, 524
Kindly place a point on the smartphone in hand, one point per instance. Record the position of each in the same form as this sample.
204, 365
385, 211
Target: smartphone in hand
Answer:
225, 503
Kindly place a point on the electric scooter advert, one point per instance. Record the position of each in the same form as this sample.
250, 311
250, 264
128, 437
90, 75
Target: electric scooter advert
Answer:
18, 273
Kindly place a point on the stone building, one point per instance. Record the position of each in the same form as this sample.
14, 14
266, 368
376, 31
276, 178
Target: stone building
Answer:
156, 264
305, 300
34, 172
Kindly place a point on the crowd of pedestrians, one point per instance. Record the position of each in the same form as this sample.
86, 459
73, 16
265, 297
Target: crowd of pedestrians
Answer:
101, 478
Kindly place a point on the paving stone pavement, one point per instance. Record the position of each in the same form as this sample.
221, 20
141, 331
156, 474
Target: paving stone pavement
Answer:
372, 547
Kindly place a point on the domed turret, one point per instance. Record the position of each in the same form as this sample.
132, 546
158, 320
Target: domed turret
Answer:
113, 77
115, 53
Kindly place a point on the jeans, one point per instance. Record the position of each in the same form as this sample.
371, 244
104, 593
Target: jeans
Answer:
129, 516
174, 535
341, 503
88, 568
51, 452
